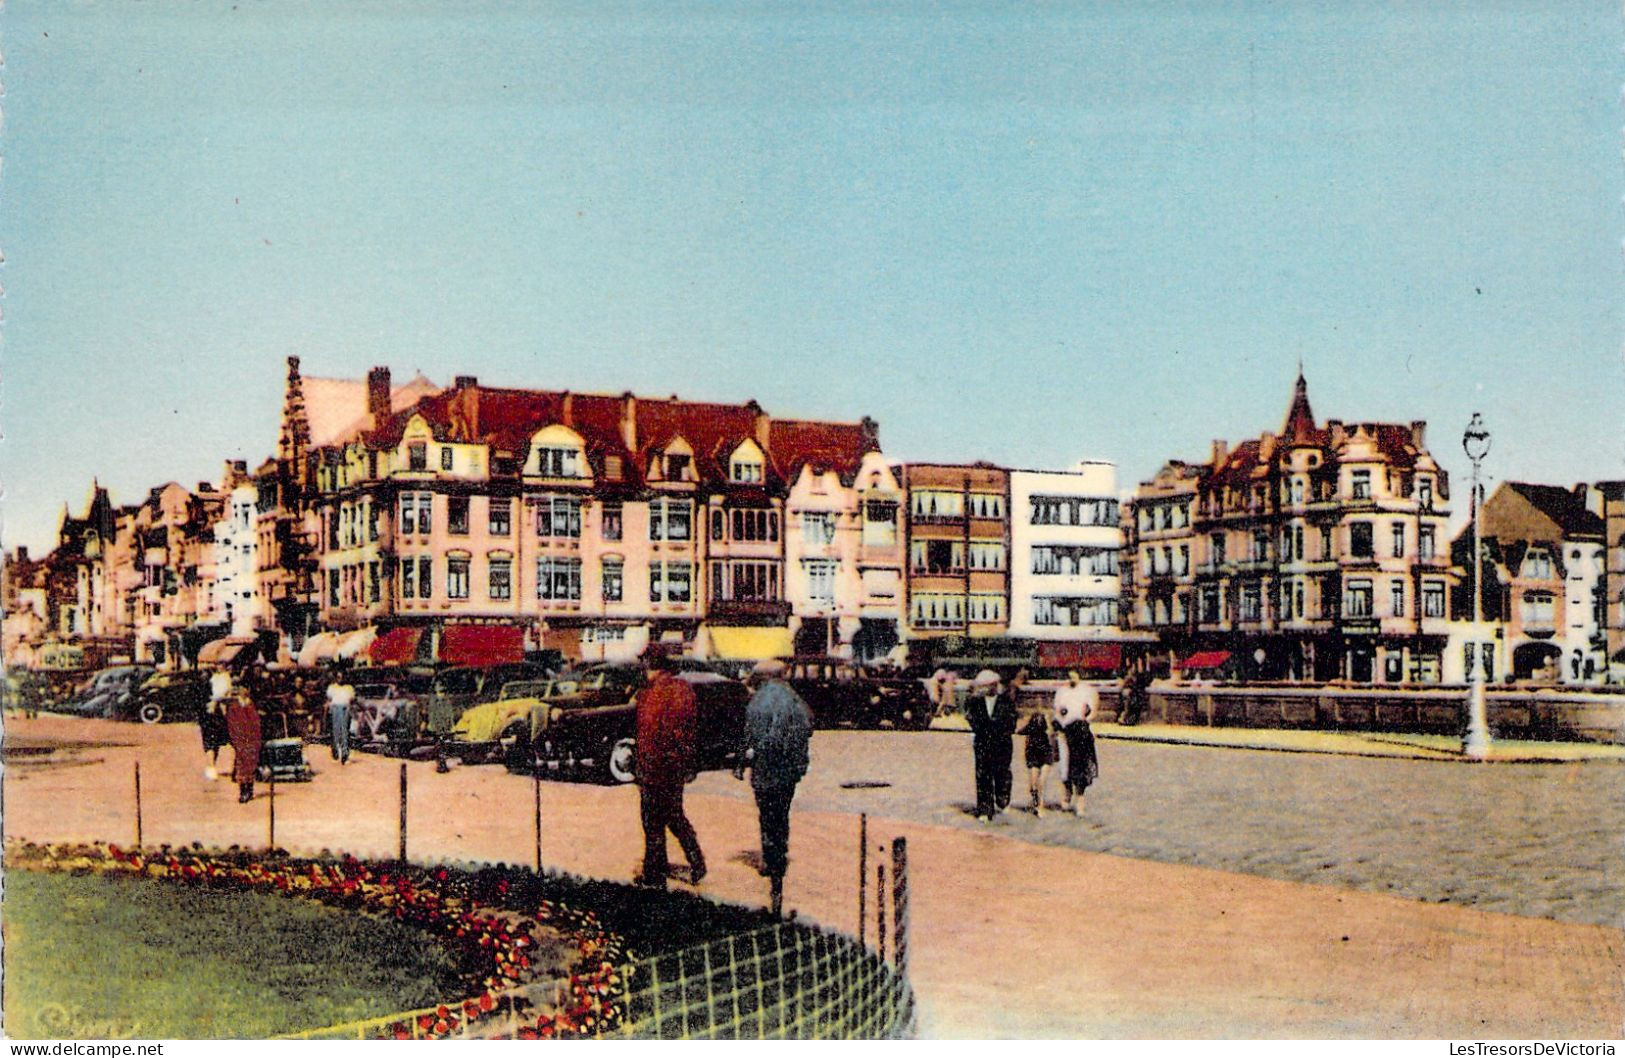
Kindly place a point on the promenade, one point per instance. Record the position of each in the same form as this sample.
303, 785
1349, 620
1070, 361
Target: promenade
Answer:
1011, 936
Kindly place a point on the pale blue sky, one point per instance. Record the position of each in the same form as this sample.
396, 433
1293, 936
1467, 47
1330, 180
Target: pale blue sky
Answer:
1103, 230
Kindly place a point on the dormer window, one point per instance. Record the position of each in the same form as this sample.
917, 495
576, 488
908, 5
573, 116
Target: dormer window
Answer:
1360, 485
676, 467
746, 471
1424, 493
417, 456
558, 462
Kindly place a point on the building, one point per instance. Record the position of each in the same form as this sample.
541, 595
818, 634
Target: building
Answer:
1313, 554
233, 600
1545, 549
1065, 540
957, 531
1611, 498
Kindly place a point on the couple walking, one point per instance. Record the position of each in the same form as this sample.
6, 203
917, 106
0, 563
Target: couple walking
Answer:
991, 711
778, 728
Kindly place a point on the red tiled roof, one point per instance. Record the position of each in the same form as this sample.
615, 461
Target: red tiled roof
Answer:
712, 430
824, 446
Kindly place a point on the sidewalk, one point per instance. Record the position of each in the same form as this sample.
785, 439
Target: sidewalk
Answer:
1009, 939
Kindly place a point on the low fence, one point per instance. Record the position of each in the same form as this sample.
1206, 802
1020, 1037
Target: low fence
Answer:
1546, 715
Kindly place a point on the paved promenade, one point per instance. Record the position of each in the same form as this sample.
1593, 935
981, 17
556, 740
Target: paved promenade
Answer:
1010, 938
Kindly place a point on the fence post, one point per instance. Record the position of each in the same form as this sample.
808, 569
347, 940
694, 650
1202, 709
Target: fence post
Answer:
271, 800
138, 804
403, 812
538, 785
899, 894
880, 907
863, 875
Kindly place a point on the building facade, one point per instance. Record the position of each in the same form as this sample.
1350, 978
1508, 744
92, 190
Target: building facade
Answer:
957, 533
1065, 540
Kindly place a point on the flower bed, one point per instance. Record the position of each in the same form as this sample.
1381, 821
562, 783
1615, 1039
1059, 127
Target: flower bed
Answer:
489, 919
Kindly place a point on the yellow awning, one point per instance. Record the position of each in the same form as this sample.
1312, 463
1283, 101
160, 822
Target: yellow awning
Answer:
750, 644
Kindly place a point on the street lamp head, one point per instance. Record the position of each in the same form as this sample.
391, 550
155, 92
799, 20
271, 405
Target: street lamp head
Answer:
1476, 440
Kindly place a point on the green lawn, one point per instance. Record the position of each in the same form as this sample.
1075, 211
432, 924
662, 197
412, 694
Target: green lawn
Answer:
109, 957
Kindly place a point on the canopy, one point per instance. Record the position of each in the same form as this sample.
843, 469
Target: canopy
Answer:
1097, 657
354, 644
398, 646
1206, 659
318, 648
225, 651
750, 644
482, 645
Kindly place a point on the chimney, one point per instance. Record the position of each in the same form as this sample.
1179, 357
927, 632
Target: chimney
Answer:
1336, 428
1419, 433
378, 390
22, 554
869, 430
567, 413
1266, 446
465, 382
1221, 449
629, 421
762, 424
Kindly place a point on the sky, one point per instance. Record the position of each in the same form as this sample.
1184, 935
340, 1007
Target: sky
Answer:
1107, 231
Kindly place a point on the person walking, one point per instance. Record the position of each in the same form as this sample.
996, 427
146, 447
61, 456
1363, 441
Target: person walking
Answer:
1040, 752
778, 729
340, 697
666, 721
1075, 707
243, 730
212, 723
992, 717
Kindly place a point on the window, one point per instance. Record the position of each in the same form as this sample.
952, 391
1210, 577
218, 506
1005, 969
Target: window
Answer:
409, 579
745, 470
880, 522
1216, 546
372, 522
457, 578
1360, 485
1325, 543
937, 556
417, 512
374, 586
986, 555
986, 607
558, 517
1077, 561
1250, 602
936, 610
1396, 598
1286, 601
558, 579
612, 578
1073, 611
755, 524
986, 505
671, 581
457, 515
1360, 542
1537, 608
747, 581
425, 577
1432, 598
670, 519
332, 587
1424, 493
1261, 547
818, 527
1538, 566
1073, 510
500, 578
1399, 540
417, 456
1393, 667
820, 581
676, 467
1357, 599
928, 504
610, 521
501, 512
445, 458
558, 462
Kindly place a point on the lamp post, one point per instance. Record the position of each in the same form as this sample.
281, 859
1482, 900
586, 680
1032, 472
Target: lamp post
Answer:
1476, 744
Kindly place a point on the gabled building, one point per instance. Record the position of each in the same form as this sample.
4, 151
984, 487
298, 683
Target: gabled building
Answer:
1316, 553
1546, 583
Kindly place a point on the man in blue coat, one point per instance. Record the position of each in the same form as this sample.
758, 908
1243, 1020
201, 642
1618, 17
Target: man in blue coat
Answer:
778, 728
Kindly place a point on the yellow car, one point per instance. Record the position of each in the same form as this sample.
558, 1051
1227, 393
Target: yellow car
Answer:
488, 733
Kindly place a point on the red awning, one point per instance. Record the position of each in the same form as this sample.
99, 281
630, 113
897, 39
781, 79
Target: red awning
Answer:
1206, 659
398, 646
1097, 657
482, 645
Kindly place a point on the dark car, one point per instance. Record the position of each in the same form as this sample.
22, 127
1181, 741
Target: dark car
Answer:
108, 693
429, 718
588, 726
174, 696
840, 694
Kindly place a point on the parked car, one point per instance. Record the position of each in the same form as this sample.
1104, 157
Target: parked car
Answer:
490, 732
380, 695
590, 729
169, 696
429, 718
108, 693
840, 693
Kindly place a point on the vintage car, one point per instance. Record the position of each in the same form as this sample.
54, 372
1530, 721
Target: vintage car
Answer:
587, 725
488, 733
172, 696
842, 694
380, 695
424, 721
108, 693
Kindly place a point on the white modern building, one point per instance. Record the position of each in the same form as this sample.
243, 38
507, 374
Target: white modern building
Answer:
1065, 541
236, 559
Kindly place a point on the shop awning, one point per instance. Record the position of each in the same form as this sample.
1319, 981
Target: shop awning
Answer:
398, 646
354, 644
1205, 659
226, 651
318, 648
750, 644
1095, 657
482, 645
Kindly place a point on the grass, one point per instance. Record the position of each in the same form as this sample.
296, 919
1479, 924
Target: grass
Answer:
106, 957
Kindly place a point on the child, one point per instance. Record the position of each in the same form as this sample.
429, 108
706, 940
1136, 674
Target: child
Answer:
1040, 754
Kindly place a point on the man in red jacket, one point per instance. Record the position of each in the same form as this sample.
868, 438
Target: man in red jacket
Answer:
667, 714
